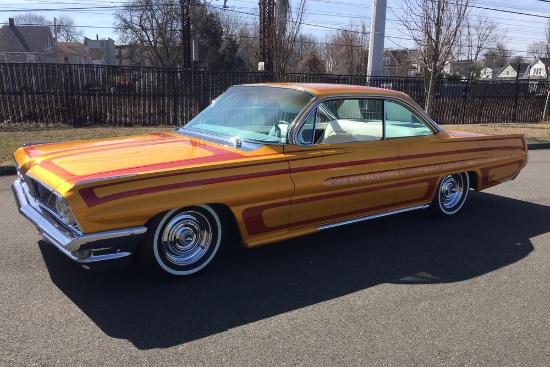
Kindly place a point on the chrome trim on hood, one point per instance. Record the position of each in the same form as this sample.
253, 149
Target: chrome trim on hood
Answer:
247, 146
111, 245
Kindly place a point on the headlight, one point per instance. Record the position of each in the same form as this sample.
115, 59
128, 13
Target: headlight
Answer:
64, 211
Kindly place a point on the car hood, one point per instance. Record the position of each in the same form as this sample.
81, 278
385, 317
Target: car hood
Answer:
87, 160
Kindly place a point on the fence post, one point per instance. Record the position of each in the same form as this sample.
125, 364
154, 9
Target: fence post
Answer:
465, 93
516, 103
546, 102
175, 99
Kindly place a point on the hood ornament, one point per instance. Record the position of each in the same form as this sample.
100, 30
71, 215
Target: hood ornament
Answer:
238, 142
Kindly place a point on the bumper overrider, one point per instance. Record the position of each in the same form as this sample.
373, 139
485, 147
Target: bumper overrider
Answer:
90, 250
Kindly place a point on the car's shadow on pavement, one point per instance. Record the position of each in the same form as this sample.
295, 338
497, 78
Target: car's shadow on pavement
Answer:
245, 286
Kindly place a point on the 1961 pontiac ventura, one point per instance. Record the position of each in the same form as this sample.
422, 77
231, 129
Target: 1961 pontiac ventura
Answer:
274, 161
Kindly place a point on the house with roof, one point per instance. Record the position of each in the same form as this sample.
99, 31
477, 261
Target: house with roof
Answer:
538, 69
534, 70
132, 55
27, 44
98, 56
105, 47
401, 63
512, 71
73, 53
486, 73
464, 68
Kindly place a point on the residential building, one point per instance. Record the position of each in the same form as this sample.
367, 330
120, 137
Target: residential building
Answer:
98, 56
465, 69
512, 70
73, 53
486, 74
401, 63
108, 49
536, 69
132, 55
27, 44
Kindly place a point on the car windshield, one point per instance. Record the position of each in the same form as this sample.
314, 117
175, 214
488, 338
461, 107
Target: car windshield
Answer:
260, 114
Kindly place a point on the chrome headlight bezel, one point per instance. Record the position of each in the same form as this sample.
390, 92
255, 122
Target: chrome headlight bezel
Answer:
64, 211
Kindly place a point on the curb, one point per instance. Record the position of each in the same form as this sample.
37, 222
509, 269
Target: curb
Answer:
10, 170
7, 170
537, 146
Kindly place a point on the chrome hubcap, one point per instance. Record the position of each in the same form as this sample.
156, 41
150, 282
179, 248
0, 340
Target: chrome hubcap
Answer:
186, 238
452, 189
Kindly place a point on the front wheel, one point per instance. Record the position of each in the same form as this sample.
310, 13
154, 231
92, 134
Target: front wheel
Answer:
451, 194
182, 241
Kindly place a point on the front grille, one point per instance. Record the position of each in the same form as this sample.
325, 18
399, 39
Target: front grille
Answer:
46, 200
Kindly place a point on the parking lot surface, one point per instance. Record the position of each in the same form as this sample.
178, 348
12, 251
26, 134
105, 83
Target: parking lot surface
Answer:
406, 290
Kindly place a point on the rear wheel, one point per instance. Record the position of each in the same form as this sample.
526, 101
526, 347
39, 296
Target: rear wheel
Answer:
451, 194
182, 241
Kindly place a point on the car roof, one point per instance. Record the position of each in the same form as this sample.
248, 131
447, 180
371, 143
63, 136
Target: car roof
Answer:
326, 89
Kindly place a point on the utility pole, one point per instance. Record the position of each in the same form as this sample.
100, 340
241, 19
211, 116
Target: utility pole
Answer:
377, 33
267, 9
55, 29
186, 33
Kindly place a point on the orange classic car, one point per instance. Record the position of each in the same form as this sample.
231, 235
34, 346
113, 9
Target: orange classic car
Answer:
267, 161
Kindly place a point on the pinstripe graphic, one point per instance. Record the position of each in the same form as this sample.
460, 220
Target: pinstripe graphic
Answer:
91, 199
255, 224
407, 172
485, 173
218, 155
32, 152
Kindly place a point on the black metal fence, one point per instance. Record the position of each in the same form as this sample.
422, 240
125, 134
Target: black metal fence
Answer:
81, 95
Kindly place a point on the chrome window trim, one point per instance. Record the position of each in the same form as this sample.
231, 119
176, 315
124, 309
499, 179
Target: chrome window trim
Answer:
301, 119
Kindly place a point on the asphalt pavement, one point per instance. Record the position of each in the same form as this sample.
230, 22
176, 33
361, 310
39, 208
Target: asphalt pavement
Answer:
406, 290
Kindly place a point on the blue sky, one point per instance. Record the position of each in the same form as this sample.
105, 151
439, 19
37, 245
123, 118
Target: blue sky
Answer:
322, 17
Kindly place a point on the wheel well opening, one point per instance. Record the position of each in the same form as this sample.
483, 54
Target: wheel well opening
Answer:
472, 176
230, 224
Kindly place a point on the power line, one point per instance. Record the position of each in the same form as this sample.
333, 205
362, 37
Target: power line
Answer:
328, 25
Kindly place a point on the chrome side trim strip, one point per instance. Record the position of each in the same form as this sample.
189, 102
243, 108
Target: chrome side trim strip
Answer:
338, 224
119, 241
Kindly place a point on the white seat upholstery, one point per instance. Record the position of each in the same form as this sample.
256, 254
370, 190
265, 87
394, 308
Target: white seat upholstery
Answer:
339, 131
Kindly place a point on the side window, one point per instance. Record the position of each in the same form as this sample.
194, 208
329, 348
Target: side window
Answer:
345, 120
306, 134
401, 122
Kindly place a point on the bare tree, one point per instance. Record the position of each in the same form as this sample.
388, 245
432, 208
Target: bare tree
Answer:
434, 26
66, 30
247, 38
538, 49
154, 25
305, 44
478, 34
64, 26
311, 63
517, 59
31, 19
346, 51
286, 30
541, 49
497, 56
243, 30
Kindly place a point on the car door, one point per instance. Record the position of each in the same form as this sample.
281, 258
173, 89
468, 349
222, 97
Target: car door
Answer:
425, 154
341, 166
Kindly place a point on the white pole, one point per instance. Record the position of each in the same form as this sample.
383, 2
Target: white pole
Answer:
377, 33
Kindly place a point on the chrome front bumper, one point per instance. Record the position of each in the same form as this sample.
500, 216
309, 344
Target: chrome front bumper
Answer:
84, 249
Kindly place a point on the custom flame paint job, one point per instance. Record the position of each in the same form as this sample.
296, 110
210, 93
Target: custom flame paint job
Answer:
274, 191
